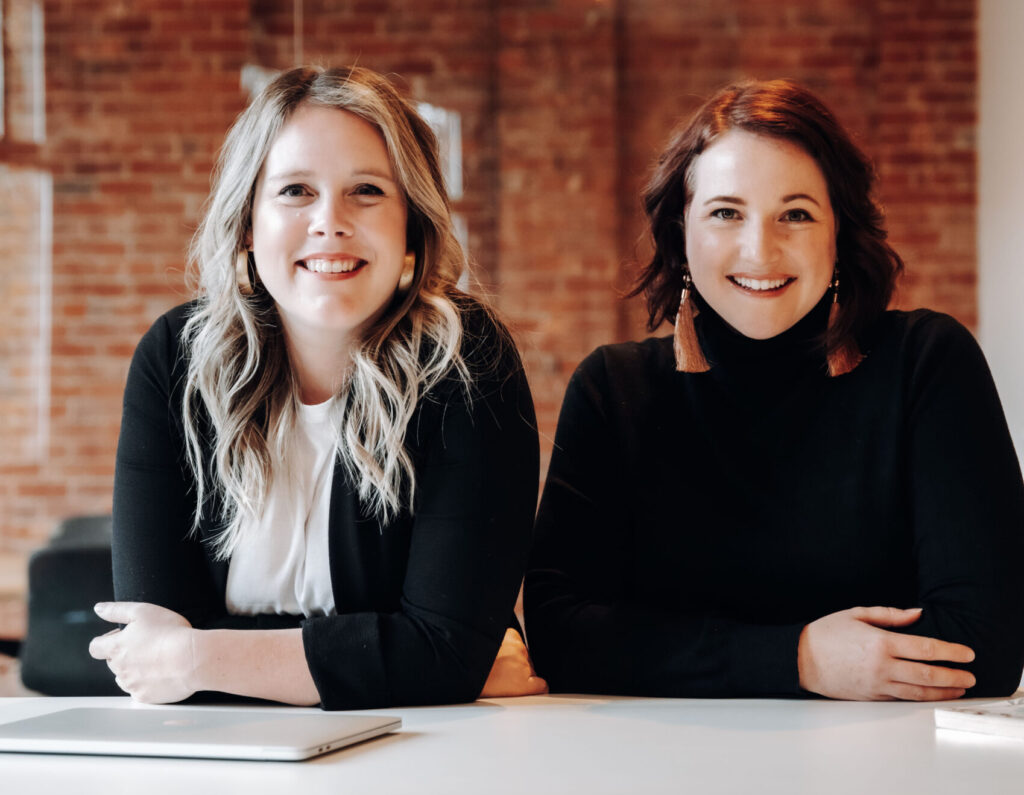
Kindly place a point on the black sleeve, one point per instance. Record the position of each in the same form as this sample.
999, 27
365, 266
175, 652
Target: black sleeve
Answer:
156, 556
476, 492
586, 633
967, 503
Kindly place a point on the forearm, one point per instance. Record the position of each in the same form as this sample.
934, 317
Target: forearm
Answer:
642, 650
268, 664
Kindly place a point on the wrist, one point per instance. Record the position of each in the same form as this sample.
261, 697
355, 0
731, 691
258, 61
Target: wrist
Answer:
196, 667
802, 661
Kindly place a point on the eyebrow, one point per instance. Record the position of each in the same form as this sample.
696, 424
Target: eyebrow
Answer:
303, 173
794, 196
785, 199
726, 199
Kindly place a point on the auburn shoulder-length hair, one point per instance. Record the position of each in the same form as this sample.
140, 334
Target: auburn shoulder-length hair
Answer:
238, 377
868, 265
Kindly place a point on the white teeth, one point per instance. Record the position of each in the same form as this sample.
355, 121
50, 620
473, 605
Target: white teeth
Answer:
759, 284
331, 265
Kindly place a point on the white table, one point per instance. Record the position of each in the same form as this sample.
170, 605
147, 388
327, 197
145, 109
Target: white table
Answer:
579, 744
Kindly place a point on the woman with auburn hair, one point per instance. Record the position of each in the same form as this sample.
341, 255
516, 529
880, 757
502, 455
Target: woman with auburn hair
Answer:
328, 461
798, 491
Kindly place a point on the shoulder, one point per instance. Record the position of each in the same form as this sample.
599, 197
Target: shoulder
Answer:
922, 335
920, 327
488, 350
621, 382
158, 367
929, 349
627, 367
163, 341
484, 335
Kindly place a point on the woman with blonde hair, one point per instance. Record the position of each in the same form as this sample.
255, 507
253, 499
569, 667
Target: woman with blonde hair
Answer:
328, 461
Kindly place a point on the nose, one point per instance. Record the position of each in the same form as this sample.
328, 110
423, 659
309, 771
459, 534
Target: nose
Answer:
760, 242
329, 218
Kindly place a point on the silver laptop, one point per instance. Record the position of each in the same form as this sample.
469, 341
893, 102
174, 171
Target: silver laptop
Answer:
198, 732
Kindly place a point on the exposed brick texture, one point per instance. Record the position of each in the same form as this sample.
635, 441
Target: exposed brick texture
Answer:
564, 105
135, 109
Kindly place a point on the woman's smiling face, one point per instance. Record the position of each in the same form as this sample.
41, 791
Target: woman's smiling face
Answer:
760, 232
328, 224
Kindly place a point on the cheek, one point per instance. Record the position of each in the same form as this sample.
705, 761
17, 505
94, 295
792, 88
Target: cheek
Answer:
272, 227
702, 255
824, 255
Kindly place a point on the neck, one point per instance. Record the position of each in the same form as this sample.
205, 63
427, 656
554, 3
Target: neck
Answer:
320, 363
739, 359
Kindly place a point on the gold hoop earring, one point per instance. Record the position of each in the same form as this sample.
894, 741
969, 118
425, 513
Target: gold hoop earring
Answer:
408, 272
245, 273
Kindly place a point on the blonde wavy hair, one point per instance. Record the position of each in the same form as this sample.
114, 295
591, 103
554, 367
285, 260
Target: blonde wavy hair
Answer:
238, 368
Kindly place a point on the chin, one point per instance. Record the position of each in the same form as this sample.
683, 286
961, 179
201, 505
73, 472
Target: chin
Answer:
762, 331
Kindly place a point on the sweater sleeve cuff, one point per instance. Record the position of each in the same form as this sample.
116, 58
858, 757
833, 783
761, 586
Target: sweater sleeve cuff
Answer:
765, 660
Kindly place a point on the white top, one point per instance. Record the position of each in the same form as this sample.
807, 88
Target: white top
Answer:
282, 563
598, 745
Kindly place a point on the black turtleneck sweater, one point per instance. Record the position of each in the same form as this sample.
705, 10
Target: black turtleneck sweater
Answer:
693, 524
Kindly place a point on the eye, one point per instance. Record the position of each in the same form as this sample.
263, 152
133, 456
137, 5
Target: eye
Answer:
368, 190
293, 191
797, 214
726, 213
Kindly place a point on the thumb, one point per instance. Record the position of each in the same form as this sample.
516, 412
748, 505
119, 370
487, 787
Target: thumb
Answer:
888, 616
116, 612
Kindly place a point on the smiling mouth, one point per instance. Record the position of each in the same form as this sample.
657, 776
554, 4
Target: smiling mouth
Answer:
331, 265
761, 286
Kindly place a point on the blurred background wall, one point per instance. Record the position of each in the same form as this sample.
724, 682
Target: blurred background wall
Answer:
1001, 203
114, 110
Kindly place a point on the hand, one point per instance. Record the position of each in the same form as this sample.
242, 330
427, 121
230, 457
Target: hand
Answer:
512, 673
152, 657
847, 655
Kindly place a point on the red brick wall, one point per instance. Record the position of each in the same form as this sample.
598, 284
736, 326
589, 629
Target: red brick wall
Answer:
901, 74
558, 133
138, 96
564, 105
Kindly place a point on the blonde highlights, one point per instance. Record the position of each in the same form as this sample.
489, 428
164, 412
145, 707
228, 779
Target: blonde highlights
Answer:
240, 397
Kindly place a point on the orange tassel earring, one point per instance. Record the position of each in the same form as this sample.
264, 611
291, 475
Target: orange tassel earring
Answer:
689, 356
847, 355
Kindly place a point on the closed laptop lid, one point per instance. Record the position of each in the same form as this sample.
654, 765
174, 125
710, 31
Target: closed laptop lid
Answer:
200, 732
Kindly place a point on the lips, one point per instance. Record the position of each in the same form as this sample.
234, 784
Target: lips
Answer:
762, 286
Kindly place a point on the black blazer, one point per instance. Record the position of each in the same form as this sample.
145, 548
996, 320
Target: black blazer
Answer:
422, 603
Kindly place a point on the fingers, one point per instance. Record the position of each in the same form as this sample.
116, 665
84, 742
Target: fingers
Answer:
905, 672
102, 647
912, 647
887, 616
904, 692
